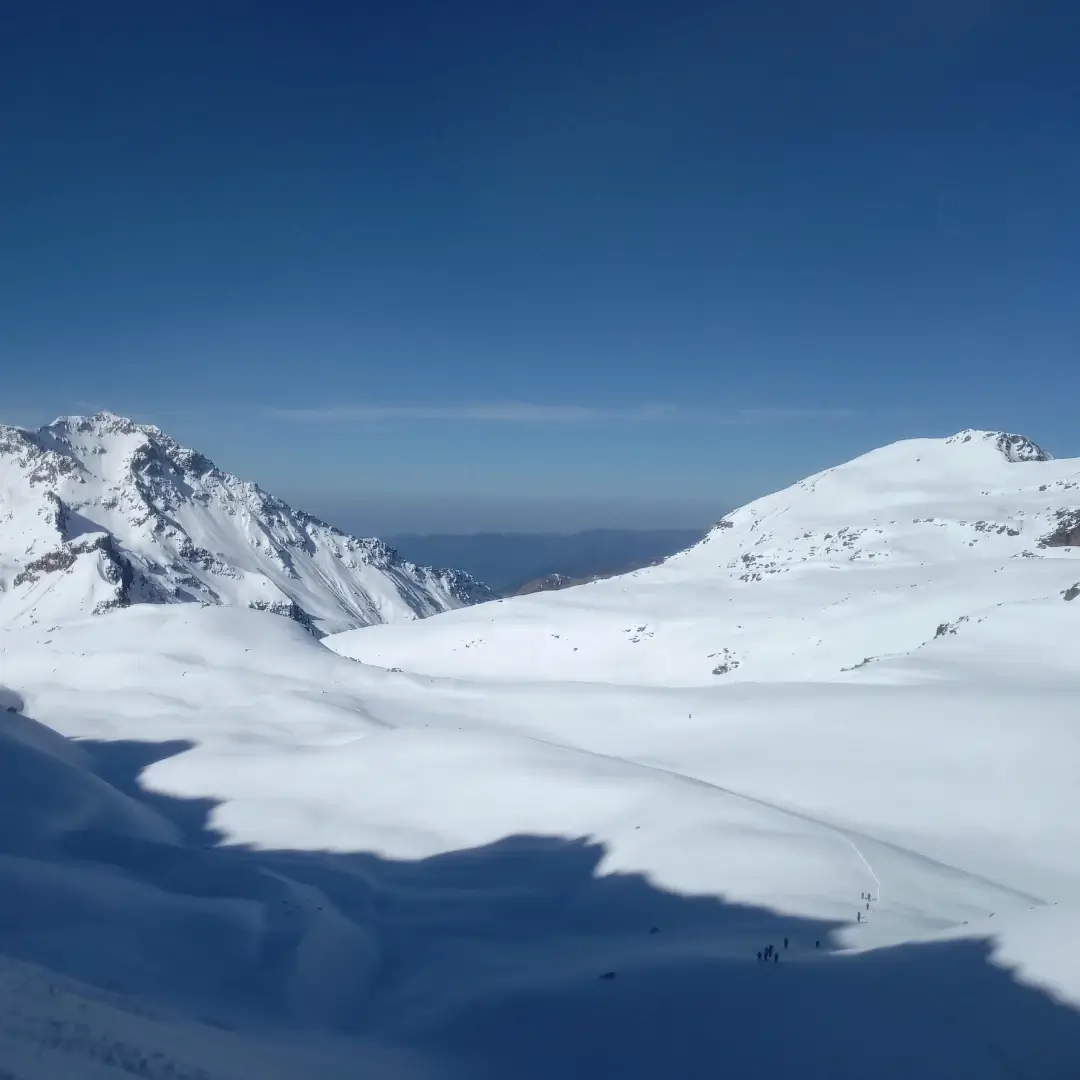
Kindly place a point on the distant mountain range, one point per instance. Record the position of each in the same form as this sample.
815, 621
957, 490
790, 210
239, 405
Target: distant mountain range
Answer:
525, 562
99, 512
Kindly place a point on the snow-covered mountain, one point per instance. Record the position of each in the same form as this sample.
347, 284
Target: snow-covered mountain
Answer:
844, 725
99, 512
878, 557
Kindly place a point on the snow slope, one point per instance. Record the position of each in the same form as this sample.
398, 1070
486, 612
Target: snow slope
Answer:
99, 512
866, 560
217, 820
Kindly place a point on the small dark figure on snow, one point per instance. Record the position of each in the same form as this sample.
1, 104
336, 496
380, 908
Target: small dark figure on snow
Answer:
817, 944
785, 943
759, 956
867, 905
776, 958
858, 916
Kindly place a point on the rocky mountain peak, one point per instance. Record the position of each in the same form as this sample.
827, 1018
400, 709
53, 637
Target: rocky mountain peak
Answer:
1012, 447
180, 530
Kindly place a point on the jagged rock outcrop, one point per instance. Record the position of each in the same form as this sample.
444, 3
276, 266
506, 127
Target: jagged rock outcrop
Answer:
1012, 447
1067, 532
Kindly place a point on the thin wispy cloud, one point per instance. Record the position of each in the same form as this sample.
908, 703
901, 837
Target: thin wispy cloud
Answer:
524, 412
774, 413
494, 412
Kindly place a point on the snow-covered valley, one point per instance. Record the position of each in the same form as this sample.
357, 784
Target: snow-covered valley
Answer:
549, 836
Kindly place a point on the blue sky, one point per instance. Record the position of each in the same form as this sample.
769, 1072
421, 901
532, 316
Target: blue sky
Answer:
561, 261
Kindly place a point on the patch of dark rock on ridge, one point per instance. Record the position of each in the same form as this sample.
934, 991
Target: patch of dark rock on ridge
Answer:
1067, 533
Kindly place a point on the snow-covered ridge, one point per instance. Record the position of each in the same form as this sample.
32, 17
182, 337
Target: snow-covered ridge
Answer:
858, 562
99, 512
965, 477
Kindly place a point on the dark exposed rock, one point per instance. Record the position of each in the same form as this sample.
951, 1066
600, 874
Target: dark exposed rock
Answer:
549, 583
995, 527
1067, 533
291, 610
1072, 592
115, 567
1014, 447
869, 660
51, 562
950, 628
1021, 448
728, 661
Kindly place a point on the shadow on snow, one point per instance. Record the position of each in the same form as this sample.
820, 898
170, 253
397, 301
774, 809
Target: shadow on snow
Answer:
489, 959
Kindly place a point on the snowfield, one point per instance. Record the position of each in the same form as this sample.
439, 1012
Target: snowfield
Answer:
548, 836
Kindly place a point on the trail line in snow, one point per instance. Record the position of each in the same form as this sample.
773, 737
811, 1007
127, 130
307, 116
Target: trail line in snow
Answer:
848, 835
865, 860
834, 830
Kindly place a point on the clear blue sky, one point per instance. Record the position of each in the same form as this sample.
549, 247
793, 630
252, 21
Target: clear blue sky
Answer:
663, 255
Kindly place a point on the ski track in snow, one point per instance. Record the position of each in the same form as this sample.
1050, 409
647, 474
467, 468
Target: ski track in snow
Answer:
847, 835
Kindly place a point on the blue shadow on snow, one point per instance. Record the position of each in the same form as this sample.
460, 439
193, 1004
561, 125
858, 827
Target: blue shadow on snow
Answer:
492, 960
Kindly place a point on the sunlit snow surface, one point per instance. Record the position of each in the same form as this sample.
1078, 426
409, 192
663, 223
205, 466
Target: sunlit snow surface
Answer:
336, 868
98, 512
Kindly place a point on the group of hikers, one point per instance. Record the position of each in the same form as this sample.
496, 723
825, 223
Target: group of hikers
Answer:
867, 898
769, 953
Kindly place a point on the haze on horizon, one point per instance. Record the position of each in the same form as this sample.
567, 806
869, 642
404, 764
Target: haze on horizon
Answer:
546, 267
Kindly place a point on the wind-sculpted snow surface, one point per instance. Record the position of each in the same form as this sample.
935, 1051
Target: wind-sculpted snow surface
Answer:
226, 848
98, 513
